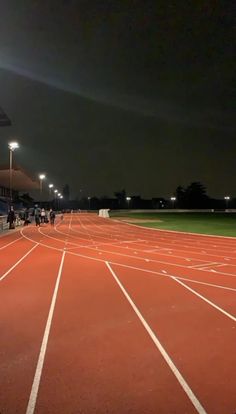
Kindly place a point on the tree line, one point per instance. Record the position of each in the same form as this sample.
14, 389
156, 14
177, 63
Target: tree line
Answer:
193, 196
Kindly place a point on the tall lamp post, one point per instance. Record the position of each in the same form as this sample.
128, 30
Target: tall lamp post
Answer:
12, 146
58, 201
89, 201
173, 199
61, 198
50, 188
227, 198
41, 178
55, 193
128, 200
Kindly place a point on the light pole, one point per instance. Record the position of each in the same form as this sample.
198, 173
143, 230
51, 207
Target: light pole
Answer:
12, 146
128, 200
41, 178
173, 199
50, 188
55, 193
227, 198
58, 200
89, 200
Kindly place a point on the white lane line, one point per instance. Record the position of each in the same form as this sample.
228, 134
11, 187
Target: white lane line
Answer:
135, 235
8, 244
39, 368
196, 403
205, 299
18, 262
120, 254
203, 265
205, 283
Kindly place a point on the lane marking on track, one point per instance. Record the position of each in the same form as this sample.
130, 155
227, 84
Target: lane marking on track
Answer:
8, 244
18, 262
176, 256
196, 403
54, 238
192, 239
135, 235
205, 299
120, 254
39, 368
142, 258
203, 265
123, 229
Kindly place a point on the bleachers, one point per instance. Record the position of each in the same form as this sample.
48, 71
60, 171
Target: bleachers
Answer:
3, 207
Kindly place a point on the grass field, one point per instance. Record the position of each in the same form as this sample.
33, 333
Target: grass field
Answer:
222, 224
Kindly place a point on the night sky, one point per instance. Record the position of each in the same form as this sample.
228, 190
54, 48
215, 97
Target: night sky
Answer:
105, 95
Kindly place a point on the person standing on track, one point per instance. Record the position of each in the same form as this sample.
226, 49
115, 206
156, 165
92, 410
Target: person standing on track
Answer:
11, 218
37, 214
43, 215
26, 217
51, 217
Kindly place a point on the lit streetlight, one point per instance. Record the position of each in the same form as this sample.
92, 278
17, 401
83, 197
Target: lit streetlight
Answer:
56, 200
227, 198
173, 199
89, 201
41, 178
128, 200
12, 147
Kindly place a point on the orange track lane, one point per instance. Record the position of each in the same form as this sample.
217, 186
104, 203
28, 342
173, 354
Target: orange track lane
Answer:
24, 302
99, 358
199, 338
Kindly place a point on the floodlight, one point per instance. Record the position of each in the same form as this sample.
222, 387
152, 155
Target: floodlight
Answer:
13, 145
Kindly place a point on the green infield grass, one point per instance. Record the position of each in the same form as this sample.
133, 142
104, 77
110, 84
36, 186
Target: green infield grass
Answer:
222, 224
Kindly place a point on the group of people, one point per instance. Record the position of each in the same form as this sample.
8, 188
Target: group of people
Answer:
40, 216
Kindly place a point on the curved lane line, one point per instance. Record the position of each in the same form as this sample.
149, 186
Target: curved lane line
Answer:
8, 244
18, 262
177, 279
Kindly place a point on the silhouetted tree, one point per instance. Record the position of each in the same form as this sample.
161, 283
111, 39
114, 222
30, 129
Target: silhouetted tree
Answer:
180, 197
121, 197
195, 195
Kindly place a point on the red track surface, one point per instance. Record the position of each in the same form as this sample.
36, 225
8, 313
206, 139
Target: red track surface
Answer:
98, 316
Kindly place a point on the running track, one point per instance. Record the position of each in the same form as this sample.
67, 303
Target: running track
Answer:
98, 316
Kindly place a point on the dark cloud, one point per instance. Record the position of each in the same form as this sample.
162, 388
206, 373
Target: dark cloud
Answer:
134, 94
